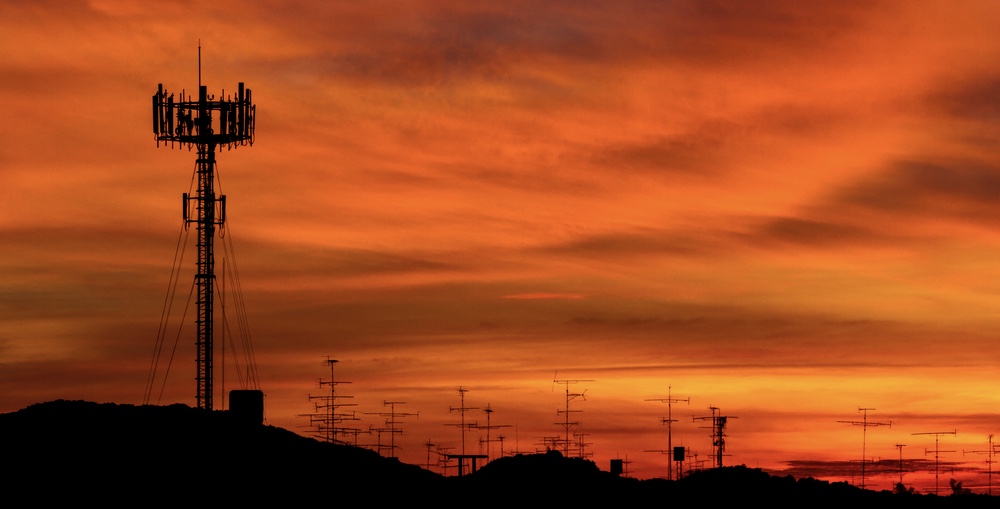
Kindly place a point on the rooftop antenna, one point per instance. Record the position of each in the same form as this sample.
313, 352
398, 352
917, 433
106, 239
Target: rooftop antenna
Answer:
937, 451
206, 124
989, 452
718, 432
669, 400
463, 426
567, 424
391, 423
900, 447
428, 444
328, 419
489, 442
864, 434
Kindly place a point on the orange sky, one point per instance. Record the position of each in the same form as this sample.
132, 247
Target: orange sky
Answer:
786, 210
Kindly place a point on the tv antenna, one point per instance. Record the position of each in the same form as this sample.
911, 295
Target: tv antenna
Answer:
489, 442
207, 124
937, 452
900, 447
391, 424
461, 410
463, 426
328, 418
989, 452
669, 420
428, 444
864, 436
567, 424
718, 432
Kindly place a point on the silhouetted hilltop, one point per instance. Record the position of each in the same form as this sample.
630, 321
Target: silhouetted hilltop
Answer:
76, 451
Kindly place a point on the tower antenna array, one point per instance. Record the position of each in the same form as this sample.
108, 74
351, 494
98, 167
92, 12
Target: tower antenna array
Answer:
207, 124
864, 436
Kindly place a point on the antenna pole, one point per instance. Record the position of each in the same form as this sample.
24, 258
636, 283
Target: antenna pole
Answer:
900, 447
937, 452
864, 437
669, 421
567, 425
718, 431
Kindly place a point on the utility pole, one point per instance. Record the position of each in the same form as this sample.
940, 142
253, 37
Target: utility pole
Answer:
206, 124
669, 400
864, 440
937, 452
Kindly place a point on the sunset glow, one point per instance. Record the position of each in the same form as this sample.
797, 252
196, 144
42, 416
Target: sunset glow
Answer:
787, 210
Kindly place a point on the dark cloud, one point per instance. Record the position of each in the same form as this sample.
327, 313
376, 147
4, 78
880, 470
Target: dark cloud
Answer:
702, 152
443, 44
969, 98
815, 233
851, 469
624, 245
889, 208
965, 190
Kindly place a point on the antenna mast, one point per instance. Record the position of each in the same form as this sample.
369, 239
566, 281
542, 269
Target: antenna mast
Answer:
206, 124
328, 418
669, 421
391, 424
937, 452
989, 452
718, 432
864, 437
567, 425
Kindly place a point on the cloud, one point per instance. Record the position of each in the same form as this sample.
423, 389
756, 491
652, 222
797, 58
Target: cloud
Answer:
543, 295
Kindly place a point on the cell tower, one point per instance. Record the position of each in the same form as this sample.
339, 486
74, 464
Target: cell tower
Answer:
937, 452
865, 424
567, 424
207, 124
669, 421
718, 432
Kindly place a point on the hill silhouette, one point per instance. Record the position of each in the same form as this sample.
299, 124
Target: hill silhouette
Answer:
77, 451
